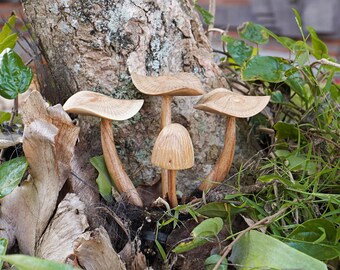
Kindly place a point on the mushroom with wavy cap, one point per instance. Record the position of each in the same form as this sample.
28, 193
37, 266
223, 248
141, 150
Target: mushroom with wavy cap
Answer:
108, 109
224, 102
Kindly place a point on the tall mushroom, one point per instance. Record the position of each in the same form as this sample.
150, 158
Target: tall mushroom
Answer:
108, 109
167, 86
173, 151
224, 102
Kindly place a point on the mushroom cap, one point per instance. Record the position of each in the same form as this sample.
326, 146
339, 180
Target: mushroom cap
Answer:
96, 104
179, 84
225, 102
173, 148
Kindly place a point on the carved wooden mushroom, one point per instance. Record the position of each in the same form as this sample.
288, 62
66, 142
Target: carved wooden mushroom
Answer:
108, 109
173, 151
232, 105
167, 86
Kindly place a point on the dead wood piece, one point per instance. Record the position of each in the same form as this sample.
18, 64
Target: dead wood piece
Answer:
94, 251
68, 223
49, 139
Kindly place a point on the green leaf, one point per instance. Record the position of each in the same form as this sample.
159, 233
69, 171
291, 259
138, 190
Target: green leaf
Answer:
11, 172
24, 262
277, 97
287, 182
7, 28
206, 15
211, 261
264, 68
103, 180
302, 58
218, 209
253, 32
297, 18
286, 131
319, 48
8, 42
317, 238
261, 251
296, 82
238, 49
4, 116
160, 249
284, 41
3, 248
15, 77
202, 233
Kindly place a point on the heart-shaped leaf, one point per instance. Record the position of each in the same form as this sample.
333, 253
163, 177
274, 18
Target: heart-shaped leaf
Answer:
264, 68
211, 261
15, 77
238, 49
11, 173
201, 234
253, 32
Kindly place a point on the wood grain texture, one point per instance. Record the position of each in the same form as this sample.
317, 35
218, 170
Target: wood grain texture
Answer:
177, 84
225, 102
225, 160
96, 104
115, 167
173, 148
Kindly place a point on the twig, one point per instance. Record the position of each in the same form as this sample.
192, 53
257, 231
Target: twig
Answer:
212, 10
260, 223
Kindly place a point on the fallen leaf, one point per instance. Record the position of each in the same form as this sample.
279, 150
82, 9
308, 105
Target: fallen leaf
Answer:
49, 139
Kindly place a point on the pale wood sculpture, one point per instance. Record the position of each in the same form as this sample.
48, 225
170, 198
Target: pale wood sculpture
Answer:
108, 109
168, 86
224, 102
173, 151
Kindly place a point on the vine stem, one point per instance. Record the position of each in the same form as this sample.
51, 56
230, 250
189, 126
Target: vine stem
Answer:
260, 223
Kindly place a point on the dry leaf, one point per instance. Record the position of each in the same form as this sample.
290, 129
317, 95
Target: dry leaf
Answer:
94, 251
49, 139
68, 223
11, 139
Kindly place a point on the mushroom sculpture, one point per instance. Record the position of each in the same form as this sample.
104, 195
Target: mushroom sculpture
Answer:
108, 109
224, 102
173, 151
168, 86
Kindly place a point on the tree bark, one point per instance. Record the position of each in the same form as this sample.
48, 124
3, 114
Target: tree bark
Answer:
95, 44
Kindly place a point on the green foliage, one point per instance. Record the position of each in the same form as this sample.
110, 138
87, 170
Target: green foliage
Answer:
24, 262
253, 32
238, 49
11, 172
201, 234
8, 38
15, 76
211, 261
317, 238
103, 180
264, 68
256, 250
206, 15
3, 248
219, 209
301, 168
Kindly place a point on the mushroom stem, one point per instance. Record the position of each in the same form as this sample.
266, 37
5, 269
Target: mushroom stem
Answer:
166, 111
172, 188
115, 166
223, 164
165, 120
